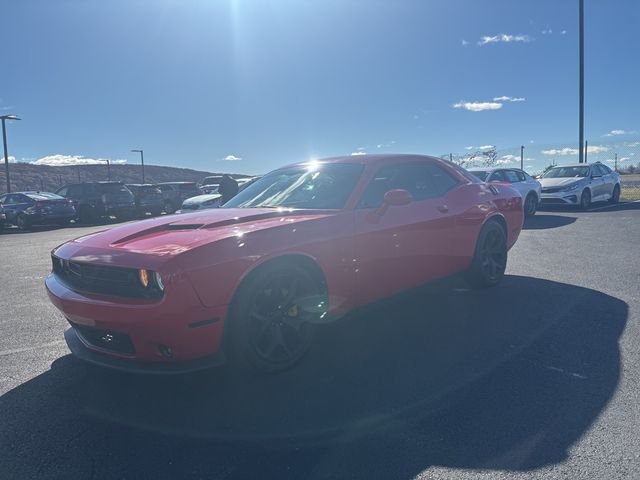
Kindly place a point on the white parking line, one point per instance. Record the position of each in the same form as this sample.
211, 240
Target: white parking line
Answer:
612, 206
26, 349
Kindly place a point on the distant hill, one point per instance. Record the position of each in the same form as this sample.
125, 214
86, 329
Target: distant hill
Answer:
25, 176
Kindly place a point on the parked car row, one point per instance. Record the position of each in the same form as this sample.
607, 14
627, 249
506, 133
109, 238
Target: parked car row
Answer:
578, 185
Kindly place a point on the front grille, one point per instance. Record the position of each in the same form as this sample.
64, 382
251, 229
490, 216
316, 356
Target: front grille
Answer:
552, 189
101, 279
105, 339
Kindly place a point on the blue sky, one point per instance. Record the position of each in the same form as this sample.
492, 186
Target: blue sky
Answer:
275, 81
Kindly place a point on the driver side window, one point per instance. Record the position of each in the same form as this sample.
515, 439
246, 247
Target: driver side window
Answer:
422, 180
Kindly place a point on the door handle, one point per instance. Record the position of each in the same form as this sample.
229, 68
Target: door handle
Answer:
443, 208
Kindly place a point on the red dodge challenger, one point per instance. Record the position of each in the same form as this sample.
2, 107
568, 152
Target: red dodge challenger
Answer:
303, 244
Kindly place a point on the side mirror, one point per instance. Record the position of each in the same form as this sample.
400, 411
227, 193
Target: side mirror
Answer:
393, 198
397, 197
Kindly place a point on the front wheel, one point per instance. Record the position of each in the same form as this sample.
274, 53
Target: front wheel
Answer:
615, 196
530, 205
274, 316
490, 258
169, 208
585, 199
23, 222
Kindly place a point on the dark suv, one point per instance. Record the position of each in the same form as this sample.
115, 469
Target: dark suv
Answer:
148, 198
174, 193
95, 200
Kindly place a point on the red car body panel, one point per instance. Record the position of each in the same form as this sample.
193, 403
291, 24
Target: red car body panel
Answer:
204, 256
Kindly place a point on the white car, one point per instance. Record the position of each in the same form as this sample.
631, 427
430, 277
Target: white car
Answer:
529, 187
580, 185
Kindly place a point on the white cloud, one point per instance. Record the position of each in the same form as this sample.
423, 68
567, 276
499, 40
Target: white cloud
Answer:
506, 159
563, 32
503, 37
624, 159
360, 149
470, 147
12, 159
464, 42
574, 151
478, 106
359, 152
59, 160
613, 133
232, 158
633, 144
504, 98
486, 147
547, 31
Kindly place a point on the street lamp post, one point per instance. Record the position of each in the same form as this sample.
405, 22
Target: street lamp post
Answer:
521, 157
141, 152
581, 156
4, 141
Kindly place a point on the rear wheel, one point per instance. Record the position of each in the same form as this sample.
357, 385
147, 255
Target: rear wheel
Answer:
615, 196
490, 258
585, 199
530, 205
274, 317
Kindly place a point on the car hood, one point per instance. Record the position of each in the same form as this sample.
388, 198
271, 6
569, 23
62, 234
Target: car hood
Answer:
148, 243
559, 182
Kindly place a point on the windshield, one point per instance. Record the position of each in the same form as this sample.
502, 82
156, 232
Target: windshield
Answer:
481, 174
566, 172
305, 186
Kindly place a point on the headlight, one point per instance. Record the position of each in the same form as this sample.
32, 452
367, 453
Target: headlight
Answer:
150, 279
573, 186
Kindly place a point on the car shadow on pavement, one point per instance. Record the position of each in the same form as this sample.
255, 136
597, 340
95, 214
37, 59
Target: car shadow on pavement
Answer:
602, 207
543, 222
507, 378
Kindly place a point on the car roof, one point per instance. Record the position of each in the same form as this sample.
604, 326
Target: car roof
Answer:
492, 169
176, 183
367, 159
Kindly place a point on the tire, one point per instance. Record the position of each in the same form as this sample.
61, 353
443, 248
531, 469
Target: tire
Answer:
585, 199
615, 196
530, 205
63, 223
156, 212
273, 316
490, 257
23, 223
86, 215
169, 208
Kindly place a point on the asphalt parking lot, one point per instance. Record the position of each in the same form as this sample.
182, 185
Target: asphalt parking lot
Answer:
537, 378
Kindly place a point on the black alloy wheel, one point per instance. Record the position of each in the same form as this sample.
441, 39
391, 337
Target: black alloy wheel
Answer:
490, 259
275, 317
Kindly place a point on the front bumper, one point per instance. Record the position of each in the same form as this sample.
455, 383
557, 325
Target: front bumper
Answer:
82, 350
177, 323
560, 198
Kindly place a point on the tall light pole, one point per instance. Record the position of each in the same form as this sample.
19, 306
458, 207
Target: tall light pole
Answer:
581, 120
141, 152
4, 141
521, 157
108, 170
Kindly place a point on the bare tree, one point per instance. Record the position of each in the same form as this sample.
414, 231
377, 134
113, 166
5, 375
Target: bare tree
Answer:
480, 158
